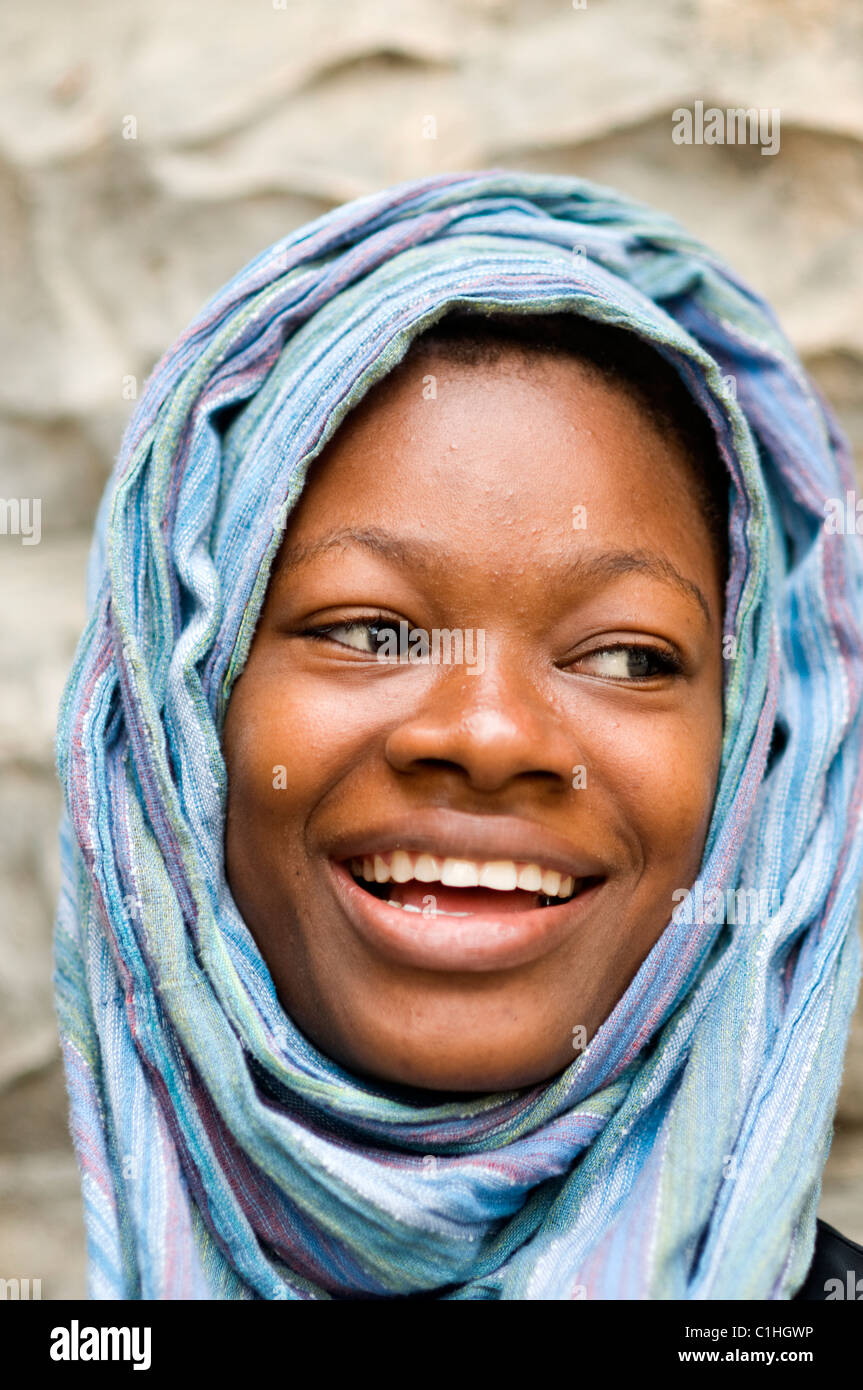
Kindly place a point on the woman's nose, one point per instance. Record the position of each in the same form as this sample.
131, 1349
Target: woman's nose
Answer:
490, 727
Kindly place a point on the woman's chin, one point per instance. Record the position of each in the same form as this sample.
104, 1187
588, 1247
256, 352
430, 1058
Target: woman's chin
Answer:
477, 1065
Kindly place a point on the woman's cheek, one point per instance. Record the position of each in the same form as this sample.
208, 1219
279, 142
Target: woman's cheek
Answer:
289, 738
661, 776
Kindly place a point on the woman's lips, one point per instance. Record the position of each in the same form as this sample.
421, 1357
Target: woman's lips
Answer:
484, 940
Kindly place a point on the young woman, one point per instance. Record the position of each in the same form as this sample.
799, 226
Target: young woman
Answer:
463, 776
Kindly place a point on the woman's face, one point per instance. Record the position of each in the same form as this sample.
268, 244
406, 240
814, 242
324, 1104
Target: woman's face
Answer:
534, 512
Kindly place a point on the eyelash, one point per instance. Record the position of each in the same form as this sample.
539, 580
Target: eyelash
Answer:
322, 633
667, 663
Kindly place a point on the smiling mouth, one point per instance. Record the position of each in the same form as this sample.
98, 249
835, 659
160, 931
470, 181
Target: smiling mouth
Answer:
434, 886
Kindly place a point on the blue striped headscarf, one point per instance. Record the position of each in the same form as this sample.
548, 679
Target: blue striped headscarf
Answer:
680, 1155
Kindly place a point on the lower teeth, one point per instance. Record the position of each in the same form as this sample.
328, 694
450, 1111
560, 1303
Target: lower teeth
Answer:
378, 890
432, 912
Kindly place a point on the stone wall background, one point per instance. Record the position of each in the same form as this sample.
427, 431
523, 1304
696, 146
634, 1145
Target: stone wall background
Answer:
249, 118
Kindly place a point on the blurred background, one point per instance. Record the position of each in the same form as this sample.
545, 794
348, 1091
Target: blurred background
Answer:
148, 150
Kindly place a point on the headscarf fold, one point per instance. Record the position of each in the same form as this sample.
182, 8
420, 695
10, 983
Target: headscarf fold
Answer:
679, 1156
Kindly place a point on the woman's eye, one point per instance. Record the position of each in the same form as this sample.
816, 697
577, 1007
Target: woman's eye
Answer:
630, 663
364, 635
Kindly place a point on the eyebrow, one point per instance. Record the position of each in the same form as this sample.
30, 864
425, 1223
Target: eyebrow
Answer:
420, 551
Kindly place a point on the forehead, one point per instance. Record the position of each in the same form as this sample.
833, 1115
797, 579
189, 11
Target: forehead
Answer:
522, 439
501, 483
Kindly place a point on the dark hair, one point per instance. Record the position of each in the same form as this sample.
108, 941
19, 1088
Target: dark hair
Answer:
616, 355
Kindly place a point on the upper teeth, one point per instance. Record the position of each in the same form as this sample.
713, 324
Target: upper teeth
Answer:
503, 874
